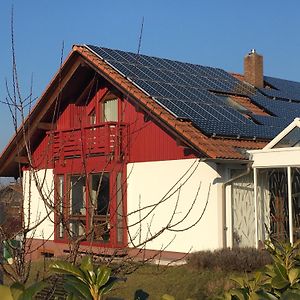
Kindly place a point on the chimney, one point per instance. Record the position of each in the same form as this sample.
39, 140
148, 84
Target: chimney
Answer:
253, 69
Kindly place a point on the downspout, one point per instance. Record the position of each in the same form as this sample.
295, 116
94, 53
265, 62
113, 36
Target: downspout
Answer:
224, 184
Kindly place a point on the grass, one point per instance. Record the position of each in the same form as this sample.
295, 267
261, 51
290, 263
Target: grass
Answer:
181, 281
196, 280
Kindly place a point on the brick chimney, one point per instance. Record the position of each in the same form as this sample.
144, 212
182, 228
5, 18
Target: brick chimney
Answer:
253, 69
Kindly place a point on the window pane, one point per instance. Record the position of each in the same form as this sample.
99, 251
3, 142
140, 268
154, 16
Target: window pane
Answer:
100, 198
92, 117
120, 226
61, 206
292, 139
110, 110
77, 195
77, 205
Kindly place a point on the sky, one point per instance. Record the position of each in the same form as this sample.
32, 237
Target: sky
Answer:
217, 33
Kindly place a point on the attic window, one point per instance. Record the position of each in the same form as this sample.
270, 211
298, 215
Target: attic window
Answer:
292, 139
110, 110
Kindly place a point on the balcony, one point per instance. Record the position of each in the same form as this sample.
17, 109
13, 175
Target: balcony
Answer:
104, 139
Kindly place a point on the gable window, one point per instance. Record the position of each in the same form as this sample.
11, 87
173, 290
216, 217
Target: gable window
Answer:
110, 110
292, 139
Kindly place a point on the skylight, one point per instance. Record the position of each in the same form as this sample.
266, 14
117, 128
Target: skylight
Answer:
292, 139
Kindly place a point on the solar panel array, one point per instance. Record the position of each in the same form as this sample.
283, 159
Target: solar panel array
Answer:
193, 92
284, 89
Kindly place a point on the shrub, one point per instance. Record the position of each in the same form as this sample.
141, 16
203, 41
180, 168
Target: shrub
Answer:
236, 259
85, 281
279, 280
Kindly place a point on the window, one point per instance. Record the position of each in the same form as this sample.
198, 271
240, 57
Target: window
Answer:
88, 204
100, 200
110, 110
292, 139
60, 194
100, 193
77, 207
120, 225
92, 117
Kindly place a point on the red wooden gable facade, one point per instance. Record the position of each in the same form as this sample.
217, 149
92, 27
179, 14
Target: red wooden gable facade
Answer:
89, 143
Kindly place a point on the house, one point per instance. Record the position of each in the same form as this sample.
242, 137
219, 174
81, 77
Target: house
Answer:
10, 209
155, 157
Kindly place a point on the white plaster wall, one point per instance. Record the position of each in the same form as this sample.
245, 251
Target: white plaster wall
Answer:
160, 195
35, 209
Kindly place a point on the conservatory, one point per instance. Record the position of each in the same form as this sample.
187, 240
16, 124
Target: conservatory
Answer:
275, 195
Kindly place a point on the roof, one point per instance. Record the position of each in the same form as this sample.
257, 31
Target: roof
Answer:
282, 151
199, 94
201, 105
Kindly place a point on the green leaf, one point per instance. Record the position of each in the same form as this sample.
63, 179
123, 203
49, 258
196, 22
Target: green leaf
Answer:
88, 269
240, 294
167, 297
17, 289
291, 295
294, 275
87, 263
5, 293
263, 295
278, 282
239, 280
64, 267
108, 286
102, 276
76, 294
253, 296
269, 270
80, 286
280, 270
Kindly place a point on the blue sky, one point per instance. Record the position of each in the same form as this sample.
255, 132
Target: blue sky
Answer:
209, 32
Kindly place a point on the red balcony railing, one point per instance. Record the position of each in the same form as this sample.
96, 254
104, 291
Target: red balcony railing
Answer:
109, 138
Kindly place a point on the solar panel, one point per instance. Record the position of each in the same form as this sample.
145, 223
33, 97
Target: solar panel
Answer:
284, 88
190, 91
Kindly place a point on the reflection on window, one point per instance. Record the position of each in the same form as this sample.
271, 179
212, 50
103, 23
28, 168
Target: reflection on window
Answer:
60, 183
92, 117
77, 195
120, 225
235, 105
99, 186
77, 205
296, 202
110, 110
88, 206
279, 218
292, 139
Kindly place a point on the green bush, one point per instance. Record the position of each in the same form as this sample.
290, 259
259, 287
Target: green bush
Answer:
84, 282
236, 259
279, 280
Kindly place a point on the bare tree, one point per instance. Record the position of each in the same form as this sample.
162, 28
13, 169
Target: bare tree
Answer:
77, 206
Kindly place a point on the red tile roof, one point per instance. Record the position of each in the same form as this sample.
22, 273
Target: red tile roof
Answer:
212, 147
